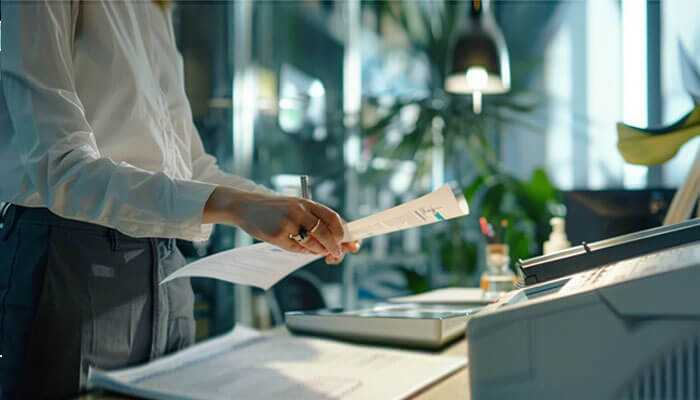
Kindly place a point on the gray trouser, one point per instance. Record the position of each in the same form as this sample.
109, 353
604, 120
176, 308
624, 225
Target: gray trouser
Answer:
75, 295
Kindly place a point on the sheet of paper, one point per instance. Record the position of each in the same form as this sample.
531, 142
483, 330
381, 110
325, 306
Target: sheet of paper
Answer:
262, 265
446, 296
437, 206
280, 367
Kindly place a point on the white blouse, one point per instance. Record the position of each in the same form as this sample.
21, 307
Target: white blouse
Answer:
94, 120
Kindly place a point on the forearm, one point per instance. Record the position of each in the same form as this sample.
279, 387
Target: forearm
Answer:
220, 205
233, 206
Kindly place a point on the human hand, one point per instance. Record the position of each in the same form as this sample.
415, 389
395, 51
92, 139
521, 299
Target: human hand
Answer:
274, 218
348, 247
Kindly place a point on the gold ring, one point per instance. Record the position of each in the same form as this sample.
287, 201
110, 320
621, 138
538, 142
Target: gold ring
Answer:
318, 223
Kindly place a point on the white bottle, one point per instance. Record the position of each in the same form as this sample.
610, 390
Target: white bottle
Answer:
557, 239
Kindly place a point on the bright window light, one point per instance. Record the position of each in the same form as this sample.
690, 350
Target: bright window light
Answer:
634, 78
316, 89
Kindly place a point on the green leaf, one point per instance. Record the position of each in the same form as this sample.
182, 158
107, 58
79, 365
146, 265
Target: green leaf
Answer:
416, 283
519, 244
537, 193
471, 190
541, 186
491, 203
460, 258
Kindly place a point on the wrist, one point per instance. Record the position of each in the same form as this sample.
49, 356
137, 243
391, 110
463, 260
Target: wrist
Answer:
220, 208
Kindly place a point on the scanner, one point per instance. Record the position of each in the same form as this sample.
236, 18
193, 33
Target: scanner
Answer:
417, 326
628, 329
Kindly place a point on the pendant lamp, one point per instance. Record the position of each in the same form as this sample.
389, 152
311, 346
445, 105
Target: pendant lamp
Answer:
480, 62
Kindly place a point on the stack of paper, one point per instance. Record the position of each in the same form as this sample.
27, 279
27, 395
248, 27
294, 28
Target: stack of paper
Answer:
262, 265
247, 365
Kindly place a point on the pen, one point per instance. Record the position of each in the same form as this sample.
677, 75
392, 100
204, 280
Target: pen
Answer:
304, 180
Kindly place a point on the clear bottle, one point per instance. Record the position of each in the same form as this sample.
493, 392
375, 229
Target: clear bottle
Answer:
498, 277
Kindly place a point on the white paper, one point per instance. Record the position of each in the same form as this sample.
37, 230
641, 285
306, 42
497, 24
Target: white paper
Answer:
262, 265
437, 206
446, 296
280, 367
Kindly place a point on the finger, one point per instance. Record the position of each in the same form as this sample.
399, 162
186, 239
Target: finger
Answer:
332, 220
325, 237
333, 260
351, 247
314, 246
308, 222
317, 229
292, 246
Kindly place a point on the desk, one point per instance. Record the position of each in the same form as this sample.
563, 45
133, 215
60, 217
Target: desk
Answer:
455, 386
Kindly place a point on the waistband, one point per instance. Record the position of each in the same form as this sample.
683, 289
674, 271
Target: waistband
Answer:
13, 215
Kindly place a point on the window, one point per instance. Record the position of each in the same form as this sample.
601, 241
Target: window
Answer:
596, 74
679, 22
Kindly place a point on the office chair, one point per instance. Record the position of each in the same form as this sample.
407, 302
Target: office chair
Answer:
300, 291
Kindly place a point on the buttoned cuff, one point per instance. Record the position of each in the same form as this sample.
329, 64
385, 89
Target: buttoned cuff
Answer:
191, 197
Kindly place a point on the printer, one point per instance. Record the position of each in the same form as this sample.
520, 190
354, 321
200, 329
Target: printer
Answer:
590, 255
626, 329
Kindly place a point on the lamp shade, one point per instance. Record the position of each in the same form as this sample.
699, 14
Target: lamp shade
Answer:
480, 61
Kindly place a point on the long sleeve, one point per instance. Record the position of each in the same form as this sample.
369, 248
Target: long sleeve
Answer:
205, 168
57, 144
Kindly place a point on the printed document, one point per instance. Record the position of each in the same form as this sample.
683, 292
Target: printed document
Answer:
245, 364
262, 264
437, 206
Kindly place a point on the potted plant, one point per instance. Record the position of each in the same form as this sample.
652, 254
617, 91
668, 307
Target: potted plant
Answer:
468, 143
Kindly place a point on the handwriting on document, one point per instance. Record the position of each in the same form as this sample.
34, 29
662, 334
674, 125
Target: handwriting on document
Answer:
437, 206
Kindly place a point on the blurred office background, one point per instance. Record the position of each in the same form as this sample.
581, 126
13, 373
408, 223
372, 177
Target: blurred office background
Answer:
352, 94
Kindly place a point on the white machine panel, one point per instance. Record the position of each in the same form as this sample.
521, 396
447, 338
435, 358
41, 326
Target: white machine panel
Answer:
630, 329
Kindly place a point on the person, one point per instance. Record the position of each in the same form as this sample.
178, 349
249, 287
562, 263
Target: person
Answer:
101, 169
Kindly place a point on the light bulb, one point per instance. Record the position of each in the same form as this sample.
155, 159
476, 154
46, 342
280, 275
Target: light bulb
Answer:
477, 79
